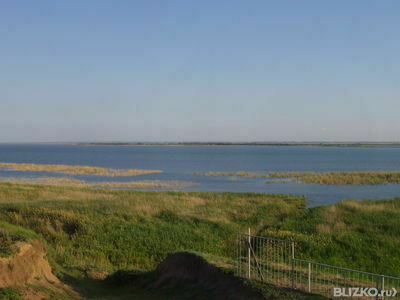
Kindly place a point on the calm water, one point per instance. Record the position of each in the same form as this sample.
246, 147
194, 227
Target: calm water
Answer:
179, 163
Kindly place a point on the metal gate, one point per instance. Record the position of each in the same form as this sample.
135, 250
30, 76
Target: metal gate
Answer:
273, 261
265, 259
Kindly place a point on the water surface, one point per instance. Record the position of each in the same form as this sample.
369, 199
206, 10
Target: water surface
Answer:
180, 162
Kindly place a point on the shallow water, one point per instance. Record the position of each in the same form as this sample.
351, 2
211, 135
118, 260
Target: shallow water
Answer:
180, 162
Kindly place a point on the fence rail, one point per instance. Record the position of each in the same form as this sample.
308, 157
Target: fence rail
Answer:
273, 261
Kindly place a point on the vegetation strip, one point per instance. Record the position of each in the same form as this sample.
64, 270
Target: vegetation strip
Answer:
233, 174
62, 181
342, 178
77, 170
328, 178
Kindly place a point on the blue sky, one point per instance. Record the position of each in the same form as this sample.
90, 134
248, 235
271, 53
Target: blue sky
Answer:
199, 70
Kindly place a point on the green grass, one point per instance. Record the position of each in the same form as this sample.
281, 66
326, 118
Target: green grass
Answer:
10, 294
103, 231
9, 234
91, 232
342, 178
363, 235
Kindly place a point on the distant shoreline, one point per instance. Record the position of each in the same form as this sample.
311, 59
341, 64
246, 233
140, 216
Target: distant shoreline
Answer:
310, 144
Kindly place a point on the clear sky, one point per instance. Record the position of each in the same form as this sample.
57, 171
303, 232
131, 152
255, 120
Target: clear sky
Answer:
199, 70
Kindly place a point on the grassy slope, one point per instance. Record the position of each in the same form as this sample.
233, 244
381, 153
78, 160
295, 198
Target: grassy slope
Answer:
96, 232
9, 234
362, 235
111, 230
91, 233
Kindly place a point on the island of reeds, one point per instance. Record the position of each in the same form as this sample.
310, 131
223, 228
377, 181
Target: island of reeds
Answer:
327, 178
77, 170
233, 174
65, 181
342, 178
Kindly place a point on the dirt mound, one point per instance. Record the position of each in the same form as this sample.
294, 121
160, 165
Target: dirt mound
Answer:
188, 270
28, 268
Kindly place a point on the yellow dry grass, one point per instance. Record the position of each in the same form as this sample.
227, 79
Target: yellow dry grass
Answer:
77, 170
330, 228
145, 184
63, 181
342, 178
45, 181
212, 207
234, 174
361, 206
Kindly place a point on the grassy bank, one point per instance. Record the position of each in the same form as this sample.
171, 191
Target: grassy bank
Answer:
92, 233
77, 170
9, 234
363, 235
342, 178
104, 230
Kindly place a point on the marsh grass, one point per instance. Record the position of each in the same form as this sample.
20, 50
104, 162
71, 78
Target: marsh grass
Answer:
77, 170
64, 181
342, 178
106, 230
144, 184
278, 181
362, 235
329, 178
92, 231
233, 174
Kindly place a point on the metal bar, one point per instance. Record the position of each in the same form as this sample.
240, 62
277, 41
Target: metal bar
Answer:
240, 255
344, 269
309, 277
266, 238
256, 261
274, 262
249, 255
292, 260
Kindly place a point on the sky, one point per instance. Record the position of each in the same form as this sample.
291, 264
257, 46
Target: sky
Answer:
79, 71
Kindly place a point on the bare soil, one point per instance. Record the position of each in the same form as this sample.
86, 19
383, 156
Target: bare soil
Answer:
29, 271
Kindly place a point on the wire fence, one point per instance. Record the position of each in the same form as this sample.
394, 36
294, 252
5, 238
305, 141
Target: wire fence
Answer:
273, 261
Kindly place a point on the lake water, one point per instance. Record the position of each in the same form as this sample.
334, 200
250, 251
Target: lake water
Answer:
180, 162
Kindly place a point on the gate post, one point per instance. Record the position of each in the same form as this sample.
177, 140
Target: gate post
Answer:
249, 254
293, 285
309, 277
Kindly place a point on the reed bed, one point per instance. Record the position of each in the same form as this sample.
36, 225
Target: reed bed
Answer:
342, 178
77, 170
145, 184
62, 181
233, 174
